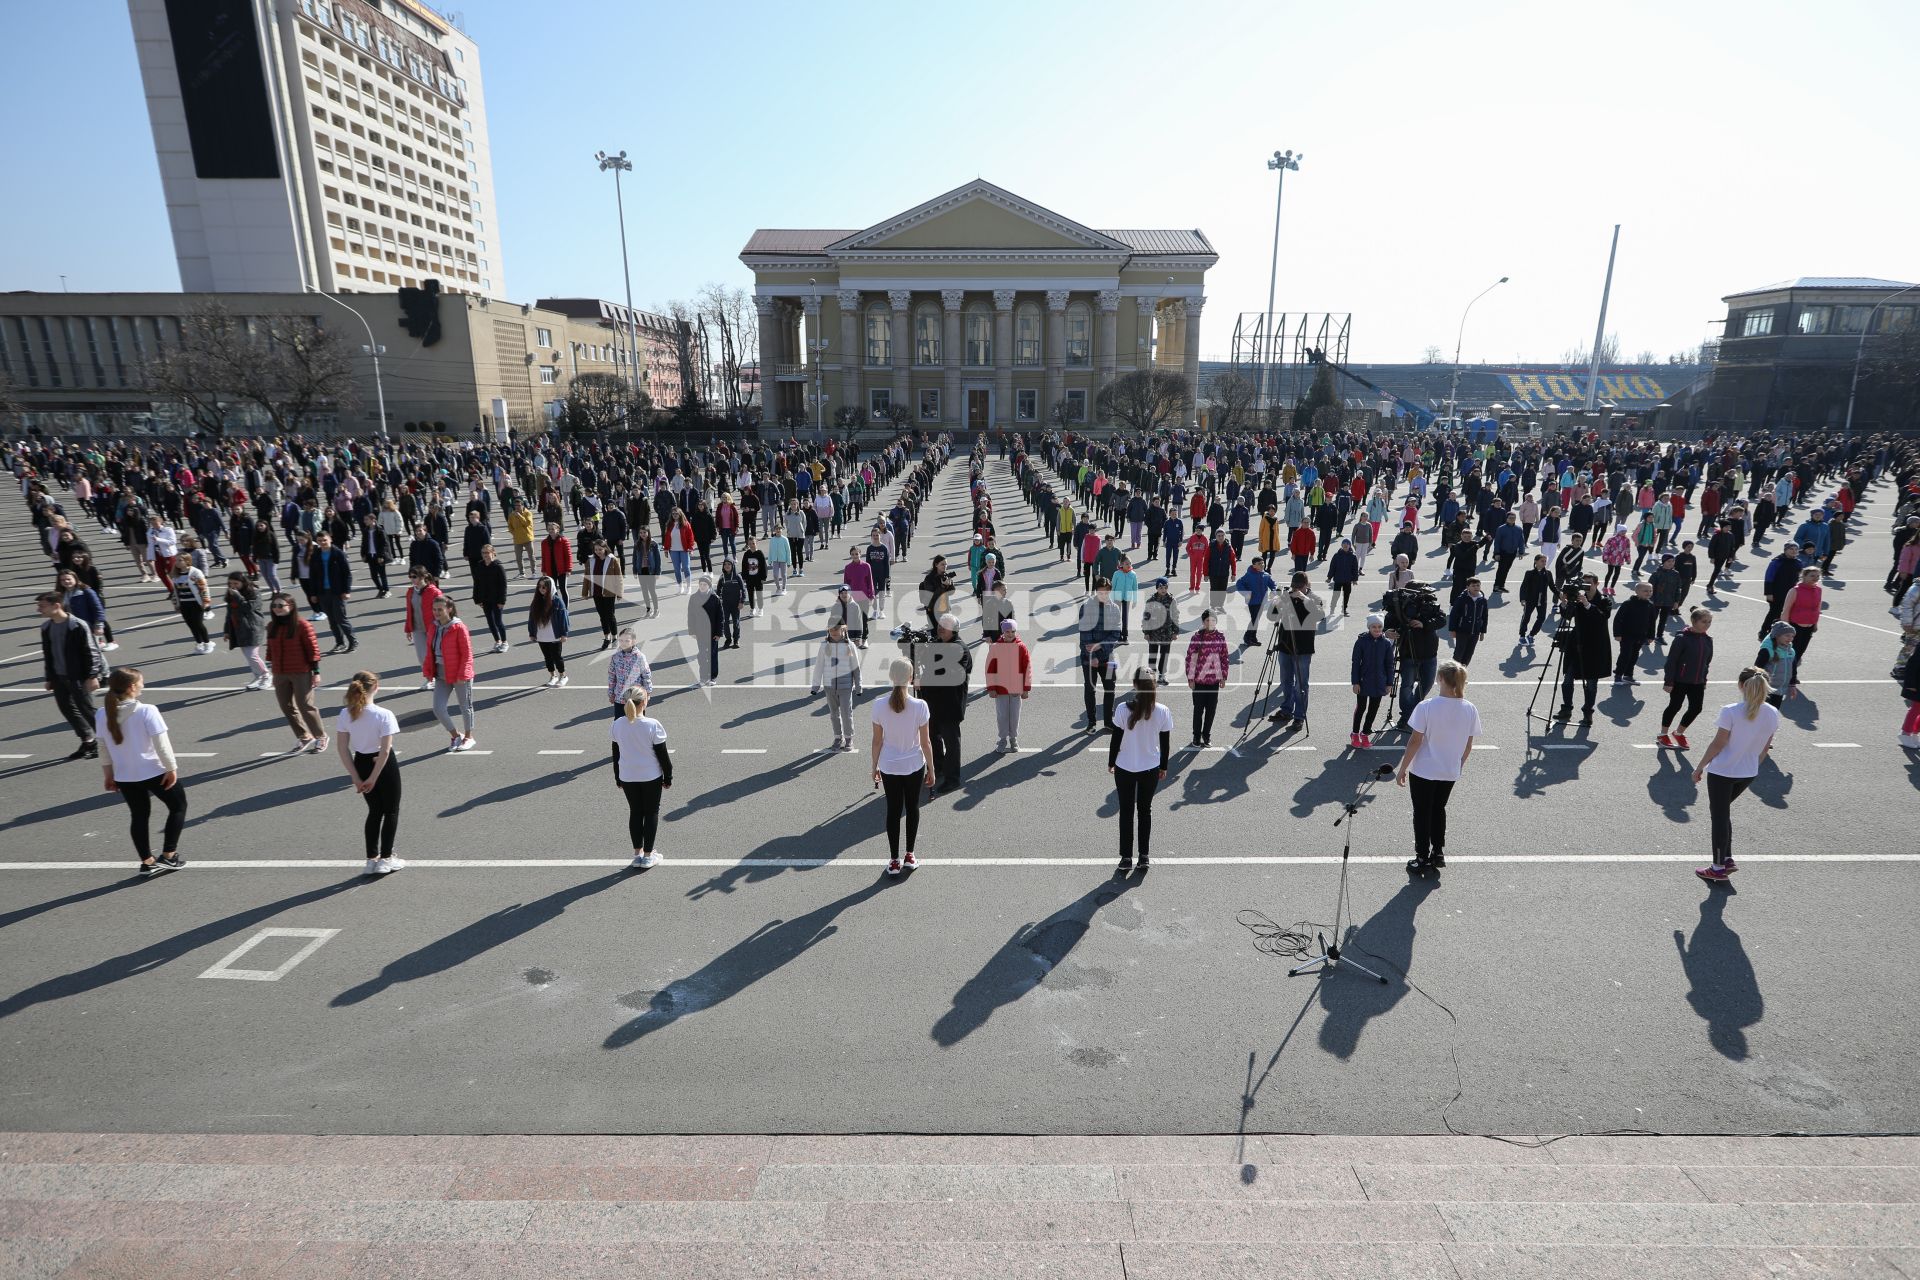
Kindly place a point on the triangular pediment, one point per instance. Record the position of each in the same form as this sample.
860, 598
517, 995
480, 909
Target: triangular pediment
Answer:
982, 216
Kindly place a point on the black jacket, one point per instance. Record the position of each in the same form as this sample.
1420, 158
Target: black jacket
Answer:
1589, 656
83, 657
1635, 620
945, 666
490, 584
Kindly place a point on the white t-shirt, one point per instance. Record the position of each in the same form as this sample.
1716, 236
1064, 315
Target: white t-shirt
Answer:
1741, 756
1140, 745
900, 734
364, 734
1447, 723
133, 757
636, 739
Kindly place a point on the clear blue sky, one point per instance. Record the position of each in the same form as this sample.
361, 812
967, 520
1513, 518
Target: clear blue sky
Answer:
1446, 145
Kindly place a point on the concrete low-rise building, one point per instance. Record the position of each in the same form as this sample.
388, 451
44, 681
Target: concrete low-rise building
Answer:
76, 362
1786, 356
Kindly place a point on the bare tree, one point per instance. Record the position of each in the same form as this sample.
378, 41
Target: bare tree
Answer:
1146, 399
848, 416
899, 415
730, 314
1433, 355
1582, 356
604, 402
1060, 413
684, 350
1646, 356
286, 366
9, 403
1233, 399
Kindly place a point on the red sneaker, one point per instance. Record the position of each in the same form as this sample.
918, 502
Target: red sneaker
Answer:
1713, 875
1366, 742
1680, 740
1353, 741
893, 867
1664, 740
910, 862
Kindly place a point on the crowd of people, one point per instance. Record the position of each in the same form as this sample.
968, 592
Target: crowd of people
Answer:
1615, 539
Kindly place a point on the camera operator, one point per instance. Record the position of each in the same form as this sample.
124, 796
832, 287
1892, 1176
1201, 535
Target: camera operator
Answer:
1416, 620
1099, 638
1296, 620
1586, 650
944, 665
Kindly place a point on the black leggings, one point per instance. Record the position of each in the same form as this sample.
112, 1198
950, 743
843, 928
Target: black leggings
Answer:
1691, 694
1343, 592
1429, 814
1721, 793
383, 803
1206, 701
903, 797
1613, 576
1365, 707
643, 813
1136, 806
139, 797
195, 616
556, 661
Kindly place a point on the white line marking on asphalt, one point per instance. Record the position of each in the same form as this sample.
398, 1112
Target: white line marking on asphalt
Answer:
16, 755
1563, 746
564, 751
224, 968
1836, 744
1224, 860
196, 755
743, 751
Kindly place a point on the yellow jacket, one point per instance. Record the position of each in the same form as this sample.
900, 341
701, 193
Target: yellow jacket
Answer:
520, 525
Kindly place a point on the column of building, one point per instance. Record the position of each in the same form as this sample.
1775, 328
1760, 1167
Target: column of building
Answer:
1003, 357
1143, 335
769, 310
901, 300
817, 415
1055, 356
952, 412
851, 354
1190, 355
1107, 357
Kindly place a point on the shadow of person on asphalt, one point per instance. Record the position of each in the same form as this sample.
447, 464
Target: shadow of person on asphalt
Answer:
152, 956
1383, 943
1024, 962
1771, 784
522, 789
53, 904
1724, 991
1671, 786
764, 779
827, 839
767, 949
468, 941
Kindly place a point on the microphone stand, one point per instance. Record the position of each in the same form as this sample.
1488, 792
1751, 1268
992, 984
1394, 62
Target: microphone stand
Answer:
1329, 957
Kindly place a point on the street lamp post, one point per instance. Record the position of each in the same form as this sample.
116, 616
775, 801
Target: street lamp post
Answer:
1846, 428
371, 347
620, 164
1453, 390
1281, 162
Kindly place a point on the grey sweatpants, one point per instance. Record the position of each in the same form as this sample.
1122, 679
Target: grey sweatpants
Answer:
1006, 710
443, 691
840, 711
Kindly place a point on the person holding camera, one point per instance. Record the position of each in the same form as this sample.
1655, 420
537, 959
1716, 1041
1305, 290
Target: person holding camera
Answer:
945, 666
1296, 617
1099, 638
1584, 648
1443, 729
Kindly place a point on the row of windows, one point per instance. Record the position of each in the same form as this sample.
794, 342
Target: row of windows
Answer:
358, 33
82, 351
440, 139
1813, 319
977, 335
1026, 404
420, 190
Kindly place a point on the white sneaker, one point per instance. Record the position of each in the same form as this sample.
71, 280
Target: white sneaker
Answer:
316, 616
373, 866
110, 646
426, 685
505, 645
562, 684
385, 865
552, 681
651, 860
465, 744
1910, 739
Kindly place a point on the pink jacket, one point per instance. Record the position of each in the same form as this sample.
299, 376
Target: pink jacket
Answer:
457, 651
1207, 658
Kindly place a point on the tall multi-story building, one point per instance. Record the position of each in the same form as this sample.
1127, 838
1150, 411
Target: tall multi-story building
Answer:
331, 144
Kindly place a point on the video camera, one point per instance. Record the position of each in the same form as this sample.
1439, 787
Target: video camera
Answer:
1415, 603
907, 636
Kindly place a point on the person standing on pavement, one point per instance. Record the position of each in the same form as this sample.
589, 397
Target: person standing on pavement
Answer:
1633, 627
520, 530
547, 624
556, 557
836, 674
705, 624
293, 655
1686, 679
1444, 727
1138, 754
945, 668
365, 734
1207, 664
1783, 572
490, 596
1009, 680
74, 669
450, 666
627, 667
1742, 737
603, 584
1160, 623
332, 588
1467, 622
732, 593
1297, 617
902, 760
646, 569
1372, 679
139, 764
642, 769
422, 590
1801, 606
192, 599
1099, 637
246, 625
1536, 598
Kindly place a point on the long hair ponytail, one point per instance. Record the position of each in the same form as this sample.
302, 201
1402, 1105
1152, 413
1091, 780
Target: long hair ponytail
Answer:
1143, 699
1754, 689
899, 675
119, 686
634, 702
359, 692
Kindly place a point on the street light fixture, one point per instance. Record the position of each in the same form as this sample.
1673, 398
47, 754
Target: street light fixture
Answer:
1453, 391
1846, 428
1281, 162
620, 164
370, 347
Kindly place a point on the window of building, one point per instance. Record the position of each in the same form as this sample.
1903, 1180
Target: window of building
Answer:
1079, 334
1026, 335
929, 405
543, 337
1026, 405
879, 335
1814, 320
1851, 319
1758, 324
926, 336
1077, 405
879, 401
549, 375
979, 336
1894, 320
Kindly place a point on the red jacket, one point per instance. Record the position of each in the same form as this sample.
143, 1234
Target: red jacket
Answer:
420, 605
680, 536
457, 652
1302, 541
556, 557
292, 651
1009, 666
1197, 506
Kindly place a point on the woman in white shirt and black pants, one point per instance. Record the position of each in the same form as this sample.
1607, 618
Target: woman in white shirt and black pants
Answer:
902, 760
365, 735
642, 769
1444, 727
1742, 737
137, 758
1137, 757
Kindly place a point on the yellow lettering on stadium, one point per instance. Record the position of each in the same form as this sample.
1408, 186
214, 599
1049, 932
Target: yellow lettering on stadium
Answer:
1527, 386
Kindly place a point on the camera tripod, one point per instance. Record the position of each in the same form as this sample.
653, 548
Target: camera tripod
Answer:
1262, 687
1550, 669
1329, 957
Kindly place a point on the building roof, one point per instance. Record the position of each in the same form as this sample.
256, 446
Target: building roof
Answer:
1151, 241
788, 240
1823, 282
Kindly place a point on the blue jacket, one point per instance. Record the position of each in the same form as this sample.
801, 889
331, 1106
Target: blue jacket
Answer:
1820, 534
1255, 583
1509, 540
1372, 665
558, 618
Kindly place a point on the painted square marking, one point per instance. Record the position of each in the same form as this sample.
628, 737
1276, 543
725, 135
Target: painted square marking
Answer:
317, 938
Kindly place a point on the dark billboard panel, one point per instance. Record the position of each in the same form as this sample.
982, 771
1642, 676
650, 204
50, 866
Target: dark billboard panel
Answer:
216, 50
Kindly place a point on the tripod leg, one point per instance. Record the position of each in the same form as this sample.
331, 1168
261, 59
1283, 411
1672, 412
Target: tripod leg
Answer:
1309, 965
1354, 964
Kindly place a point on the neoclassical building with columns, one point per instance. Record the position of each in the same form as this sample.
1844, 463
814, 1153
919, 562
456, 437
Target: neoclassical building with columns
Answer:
976, 310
